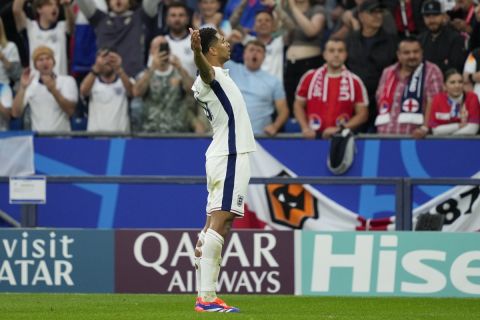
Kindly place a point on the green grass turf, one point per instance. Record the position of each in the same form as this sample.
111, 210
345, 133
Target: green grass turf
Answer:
178, 307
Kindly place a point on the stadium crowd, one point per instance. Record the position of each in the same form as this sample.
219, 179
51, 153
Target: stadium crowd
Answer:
401, 67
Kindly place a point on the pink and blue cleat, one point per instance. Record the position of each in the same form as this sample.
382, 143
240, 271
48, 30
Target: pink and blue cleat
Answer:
216, 305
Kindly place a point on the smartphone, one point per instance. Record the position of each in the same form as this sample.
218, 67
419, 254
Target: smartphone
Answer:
164, 47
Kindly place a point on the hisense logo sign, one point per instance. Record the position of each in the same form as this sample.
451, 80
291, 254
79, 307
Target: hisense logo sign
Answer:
383, 264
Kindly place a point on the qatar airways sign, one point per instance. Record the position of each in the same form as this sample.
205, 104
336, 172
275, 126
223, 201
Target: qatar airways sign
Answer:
162, 261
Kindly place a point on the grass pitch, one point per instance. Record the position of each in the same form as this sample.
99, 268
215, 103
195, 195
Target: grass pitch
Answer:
177, 307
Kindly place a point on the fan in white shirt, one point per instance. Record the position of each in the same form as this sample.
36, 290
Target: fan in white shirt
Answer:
52, 98
47, 29
108, 87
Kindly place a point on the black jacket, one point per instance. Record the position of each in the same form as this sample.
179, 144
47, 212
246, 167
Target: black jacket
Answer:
368, 61
447, 50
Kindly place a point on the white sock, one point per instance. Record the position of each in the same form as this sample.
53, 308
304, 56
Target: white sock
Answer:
210, 264
198, 273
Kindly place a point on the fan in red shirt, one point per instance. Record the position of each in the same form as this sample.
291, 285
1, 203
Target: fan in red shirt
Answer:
331, 97
454, 112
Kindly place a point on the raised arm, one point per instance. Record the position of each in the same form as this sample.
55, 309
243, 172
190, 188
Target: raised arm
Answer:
150, 7
87, 7
237, 14
205, 69
19, 15
187, 80
18, 102
311, 27
69, 16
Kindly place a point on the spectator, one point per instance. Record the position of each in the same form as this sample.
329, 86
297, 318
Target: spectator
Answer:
405, 92
463, 18
408, 17
474, 41
47, 30
265, 29
242, 12
454, 112
165, 88
10, 67
178, 36
304, 45
52, 98
263, 92
331, 97
441, 44
108, 88
208, 14
122, 29
5, 106
471, 74
349, 21
84, 49
370, 50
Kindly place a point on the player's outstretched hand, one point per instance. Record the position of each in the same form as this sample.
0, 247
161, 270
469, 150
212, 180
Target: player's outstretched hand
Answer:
195, 40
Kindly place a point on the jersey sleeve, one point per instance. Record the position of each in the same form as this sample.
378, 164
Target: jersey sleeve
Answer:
6, 98
361, 96
433, 123
302, 88
473, 108
69, 89
470, 64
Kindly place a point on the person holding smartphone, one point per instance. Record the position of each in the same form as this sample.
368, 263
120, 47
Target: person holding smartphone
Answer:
165, 89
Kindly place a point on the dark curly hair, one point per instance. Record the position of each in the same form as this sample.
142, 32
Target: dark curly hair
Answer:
208, 38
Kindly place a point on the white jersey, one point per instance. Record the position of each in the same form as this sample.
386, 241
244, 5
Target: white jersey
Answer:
225, 108
55, 38
6, 102
181, 48
273, 62
47, 115
10, 52
108, 107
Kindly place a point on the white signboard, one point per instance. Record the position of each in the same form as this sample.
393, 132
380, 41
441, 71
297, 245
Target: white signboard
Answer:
28, 190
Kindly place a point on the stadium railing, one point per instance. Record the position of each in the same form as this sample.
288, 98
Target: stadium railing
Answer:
403, 189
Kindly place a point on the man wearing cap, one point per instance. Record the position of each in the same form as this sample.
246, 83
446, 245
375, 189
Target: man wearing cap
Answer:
52, 98
441, 44
350, 19
370, 50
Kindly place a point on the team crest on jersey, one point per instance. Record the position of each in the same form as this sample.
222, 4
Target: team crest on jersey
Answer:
410, 105
384, 107
315, 122
290, 204
342, 119
240, 201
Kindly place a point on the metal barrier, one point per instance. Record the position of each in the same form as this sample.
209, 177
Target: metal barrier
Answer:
403, 188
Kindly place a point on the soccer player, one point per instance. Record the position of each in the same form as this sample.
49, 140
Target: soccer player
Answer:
227, 160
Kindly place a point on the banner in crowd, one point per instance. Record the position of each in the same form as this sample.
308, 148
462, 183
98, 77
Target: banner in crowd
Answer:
428, 264
16, 154
162, 261
460, 207
56, 260
293, 206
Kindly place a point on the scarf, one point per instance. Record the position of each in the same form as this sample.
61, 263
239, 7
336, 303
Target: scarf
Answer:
412, 98
319, 85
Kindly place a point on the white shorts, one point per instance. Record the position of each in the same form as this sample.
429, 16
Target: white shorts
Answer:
227, 183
